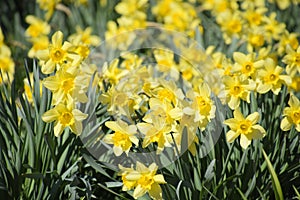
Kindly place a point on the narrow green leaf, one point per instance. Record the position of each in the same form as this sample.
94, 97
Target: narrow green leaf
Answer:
297, 193
113, 184
275, 181
209, 174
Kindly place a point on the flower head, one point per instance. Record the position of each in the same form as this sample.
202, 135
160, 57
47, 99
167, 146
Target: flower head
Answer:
65, 115
122, 138
143, 179
247, 128
291, 115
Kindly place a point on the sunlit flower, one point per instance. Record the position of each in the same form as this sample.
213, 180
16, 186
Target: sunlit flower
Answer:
65, 115
246, 64
273, 28
287, 39
231, 24
159, 131
202, 107
64, 85
7, 65
237, 88
292, 59
38, 43
57, 54
29, 87
123, 137
37, 27
143, 179
270, 78
291, 115
247, 128
48, 6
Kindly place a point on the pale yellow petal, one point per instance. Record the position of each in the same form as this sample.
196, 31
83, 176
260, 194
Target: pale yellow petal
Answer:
231, 136
50, 115
155, 192
159, 178
117, 150
285, 125
58, 129
138, 192
244, 141
254, 117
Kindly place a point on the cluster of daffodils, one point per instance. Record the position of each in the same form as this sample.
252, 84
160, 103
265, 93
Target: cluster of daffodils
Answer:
7, 65
147, 104
67, 73
155, 95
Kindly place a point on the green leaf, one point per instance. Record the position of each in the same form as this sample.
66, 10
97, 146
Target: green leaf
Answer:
297, 193
275, 181
209, 174
113, 184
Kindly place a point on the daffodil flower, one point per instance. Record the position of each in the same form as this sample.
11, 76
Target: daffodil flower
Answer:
291, 115
270, 78
143, 179
237, 88
65, 115
57, 54
64, 84
123, 137
292, 59
247, 128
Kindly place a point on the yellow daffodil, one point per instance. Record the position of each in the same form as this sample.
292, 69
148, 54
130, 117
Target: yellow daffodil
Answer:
237, 88
48, 6
231, 24
159, 131
247, 128
270, 78
202, 107
143, 179
37, 27
29, 88
273, 28
65, 115
64, 85
123, 137
38, 43
292, 59
7, 65
287, 39
82, 40
291, 115
57, 54
245, 64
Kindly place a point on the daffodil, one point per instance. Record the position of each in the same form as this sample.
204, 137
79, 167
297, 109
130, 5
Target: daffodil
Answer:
48, 6
202, 107
246, 64
292, 59
143, 179
237, 88
57, 54
287, 39
291, 115
247, 128
270, 78
65, 115
7, 65
38, 43
37, 27
123, 137
64, 85
159, 131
